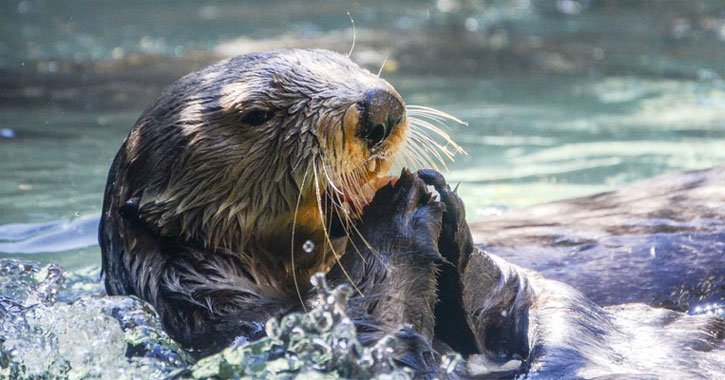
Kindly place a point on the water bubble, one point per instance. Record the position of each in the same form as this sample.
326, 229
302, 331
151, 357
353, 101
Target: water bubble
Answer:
318, 281
308, 246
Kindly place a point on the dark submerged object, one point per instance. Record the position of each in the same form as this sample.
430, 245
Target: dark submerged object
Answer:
207, 143
660, 241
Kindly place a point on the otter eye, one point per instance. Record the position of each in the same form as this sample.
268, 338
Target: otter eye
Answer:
256, 116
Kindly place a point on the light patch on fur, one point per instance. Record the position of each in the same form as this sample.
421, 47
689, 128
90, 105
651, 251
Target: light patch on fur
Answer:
325, 70
192, 112
234, 94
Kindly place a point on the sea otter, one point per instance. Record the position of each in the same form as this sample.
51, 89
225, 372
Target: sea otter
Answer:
248, 176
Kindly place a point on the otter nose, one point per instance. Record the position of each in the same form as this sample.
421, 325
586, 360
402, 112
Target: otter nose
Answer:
382, 110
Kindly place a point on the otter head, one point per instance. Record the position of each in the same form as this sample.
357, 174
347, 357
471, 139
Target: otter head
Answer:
245, 154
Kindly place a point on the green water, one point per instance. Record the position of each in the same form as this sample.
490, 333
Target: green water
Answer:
560, 101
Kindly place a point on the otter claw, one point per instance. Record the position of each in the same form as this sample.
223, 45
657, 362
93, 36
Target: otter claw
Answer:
432, 177
435, 195
455, 239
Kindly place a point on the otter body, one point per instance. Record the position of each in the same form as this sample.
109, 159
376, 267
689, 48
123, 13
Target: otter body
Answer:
248, 176
660, 241
224, 178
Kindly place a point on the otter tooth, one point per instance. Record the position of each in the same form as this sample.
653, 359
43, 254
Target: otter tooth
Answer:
372, 165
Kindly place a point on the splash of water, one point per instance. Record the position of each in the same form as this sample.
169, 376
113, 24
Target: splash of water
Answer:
322, 341
42, 337
59, 325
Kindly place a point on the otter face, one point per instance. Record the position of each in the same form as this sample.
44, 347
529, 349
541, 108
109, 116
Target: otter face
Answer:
242, 152
373, 129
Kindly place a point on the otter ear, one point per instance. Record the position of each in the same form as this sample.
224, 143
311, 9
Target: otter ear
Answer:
139, 212
129, 211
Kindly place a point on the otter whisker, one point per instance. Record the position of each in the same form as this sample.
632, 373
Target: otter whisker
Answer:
429, 144
433, 120
433, 113
329, 180
292, 251
413, 160
354, 35
338, 208
350, 181
427, 125
420, 123
357, 171
348, 224
424, 143
383, 65
302, 157
327, 234
415, 155
344, 216
403, 160
420, 155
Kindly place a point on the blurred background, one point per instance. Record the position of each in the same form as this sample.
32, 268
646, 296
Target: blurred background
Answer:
562, 98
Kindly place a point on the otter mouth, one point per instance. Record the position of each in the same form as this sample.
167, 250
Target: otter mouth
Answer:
377, 174
344, 184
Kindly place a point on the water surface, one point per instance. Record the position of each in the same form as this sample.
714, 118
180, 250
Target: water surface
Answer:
562, 99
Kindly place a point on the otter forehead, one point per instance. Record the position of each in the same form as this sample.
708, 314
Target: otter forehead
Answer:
282, 80
323, 68
295, 75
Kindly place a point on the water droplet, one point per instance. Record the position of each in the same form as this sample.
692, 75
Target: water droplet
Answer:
308, 246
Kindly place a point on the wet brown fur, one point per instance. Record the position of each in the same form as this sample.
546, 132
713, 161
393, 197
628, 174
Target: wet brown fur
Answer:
200, 205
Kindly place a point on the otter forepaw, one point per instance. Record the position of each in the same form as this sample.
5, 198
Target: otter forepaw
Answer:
455, 239
404, 218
